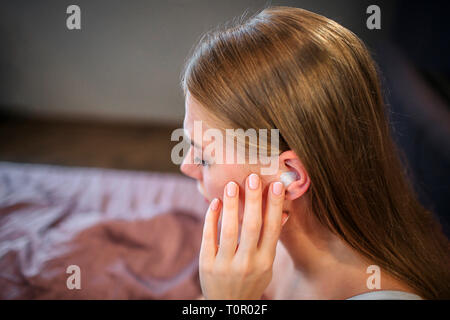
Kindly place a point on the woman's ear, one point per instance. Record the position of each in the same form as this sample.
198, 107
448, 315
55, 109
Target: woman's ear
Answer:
293, 175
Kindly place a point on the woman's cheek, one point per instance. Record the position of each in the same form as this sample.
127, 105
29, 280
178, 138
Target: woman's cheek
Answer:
213, 191
217, 192
214, 183
215, 180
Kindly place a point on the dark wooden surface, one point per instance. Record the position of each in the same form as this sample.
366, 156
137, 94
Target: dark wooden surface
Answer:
87, 143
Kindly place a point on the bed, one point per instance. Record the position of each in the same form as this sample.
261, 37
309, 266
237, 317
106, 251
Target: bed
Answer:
133, 235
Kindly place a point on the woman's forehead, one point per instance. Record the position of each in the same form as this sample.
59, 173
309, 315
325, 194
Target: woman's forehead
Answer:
195, 115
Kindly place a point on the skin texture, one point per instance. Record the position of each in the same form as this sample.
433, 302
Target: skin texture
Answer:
308, 261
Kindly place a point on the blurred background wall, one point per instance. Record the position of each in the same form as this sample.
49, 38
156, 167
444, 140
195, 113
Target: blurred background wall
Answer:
108, 95
125, 61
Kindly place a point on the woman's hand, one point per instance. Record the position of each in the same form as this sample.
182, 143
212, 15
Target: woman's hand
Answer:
241, 271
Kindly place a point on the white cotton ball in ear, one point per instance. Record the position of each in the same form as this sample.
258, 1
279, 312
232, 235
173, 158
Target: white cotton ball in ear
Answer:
287, 178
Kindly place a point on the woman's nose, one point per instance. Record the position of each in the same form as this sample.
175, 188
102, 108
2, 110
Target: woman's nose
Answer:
190, 169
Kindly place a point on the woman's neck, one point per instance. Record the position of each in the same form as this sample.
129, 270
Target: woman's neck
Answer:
323, 266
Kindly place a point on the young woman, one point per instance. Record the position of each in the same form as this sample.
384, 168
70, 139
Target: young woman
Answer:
351, 206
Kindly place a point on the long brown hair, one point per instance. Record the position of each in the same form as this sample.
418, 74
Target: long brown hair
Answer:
315, 81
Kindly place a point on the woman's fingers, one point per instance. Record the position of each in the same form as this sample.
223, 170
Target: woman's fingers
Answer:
272, 218
240, 274
255, 228
208, 248
252, 221
230, 223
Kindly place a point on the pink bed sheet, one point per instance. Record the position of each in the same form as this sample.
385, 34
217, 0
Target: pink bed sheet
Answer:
134, 235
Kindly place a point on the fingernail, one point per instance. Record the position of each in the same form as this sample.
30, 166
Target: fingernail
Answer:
253, 181
215, 204
231, 189
277, 188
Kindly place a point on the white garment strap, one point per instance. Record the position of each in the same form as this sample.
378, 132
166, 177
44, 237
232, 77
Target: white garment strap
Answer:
386, 295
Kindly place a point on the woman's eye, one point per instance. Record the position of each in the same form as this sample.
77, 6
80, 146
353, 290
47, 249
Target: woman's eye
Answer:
203, 162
